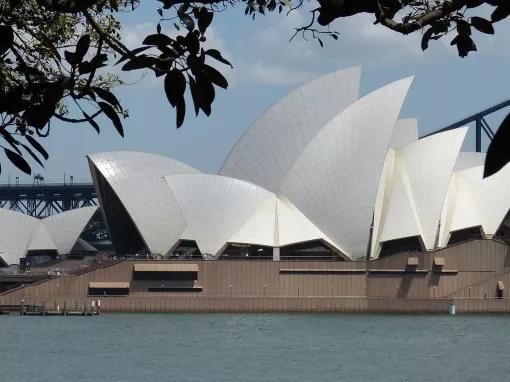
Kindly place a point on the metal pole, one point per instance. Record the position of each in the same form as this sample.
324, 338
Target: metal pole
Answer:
478, 135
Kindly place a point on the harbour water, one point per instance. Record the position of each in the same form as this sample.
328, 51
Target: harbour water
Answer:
255, 347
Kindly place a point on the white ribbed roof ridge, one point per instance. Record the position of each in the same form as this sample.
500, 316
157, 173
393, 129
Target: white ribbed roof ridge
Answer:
215, 206
335, 179
265, 152
137, 179
66, 227
15, 232
416, 194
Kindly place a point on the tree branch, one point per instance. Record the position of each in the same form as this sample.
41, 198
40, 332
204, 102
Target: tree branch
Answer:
68, 6
418, 22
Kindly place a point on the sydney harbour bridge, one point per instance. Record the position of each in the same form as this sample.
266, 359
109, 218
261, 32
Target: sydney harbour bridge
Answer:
41, 199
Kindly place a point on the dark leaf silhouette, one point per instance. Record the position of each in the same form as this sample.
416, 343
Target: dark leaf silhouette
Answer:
217, 56
82, 46
133, 52
157, 39
6, 38
498, 153
139, 62
114, 117
31, 153
426, 38
36, 145
501, 12
215, 76
482, 25
107, 96
18, 161
175, 85
91, 121
204, 20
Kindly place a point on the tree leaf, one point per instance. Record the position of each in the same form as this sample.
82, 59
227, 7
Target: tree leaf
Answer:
204, 19
92, 122
82, 46
501, 12
175, 85
157, 40
426, 38
107, 96
464, 44
195, 94
114, 117
482, 25
6, 38
139, 62
215, 76
133, 52
31, 153
180, 112
85, 67
463, 28
36, 145
217, 56
71, 58
474, 3
187, 21
39, 115
18, 161
207, 93
10, 140
498, 153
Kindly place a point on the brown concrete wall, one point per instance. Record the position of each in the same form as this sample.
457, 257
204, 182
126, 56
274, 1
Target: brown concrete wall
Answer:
251, 286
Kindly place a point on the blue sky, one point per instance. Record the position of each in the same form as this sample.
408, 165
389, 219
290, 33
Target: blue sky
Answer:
266, 67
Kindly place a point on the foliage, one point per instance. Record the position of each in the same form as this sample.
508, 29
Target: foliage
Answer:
56, 55
498, 153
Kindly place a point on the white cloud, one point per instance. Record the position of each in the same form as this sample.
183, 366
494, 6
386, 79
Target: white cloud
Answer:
132, 35
275, 75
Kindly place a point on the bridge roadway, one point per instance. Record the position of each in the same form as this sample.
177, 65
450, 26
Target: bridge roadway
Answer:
44, 199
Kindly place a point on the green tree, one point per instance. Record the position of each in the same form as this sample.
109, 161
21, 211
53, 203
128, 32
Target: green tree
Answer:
55, 54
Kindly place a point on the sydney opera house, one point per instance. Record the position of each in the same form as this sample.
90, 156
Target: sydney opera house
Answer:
321, 170
338, 200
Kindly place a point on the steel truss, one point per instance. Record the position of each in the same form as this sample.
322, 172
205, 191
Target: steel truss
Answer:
45, 199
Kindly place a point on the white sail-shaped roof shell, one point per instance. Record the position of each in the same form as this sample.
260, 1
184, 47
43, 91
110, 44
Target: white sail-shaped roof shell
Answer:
65, 228
137, 180
267, 150
40, 239
475, 202
335, 179
468, 159
15, 233
278, 223
402, 217
421, 175
404, 133
215, 207
83, 246
261, 227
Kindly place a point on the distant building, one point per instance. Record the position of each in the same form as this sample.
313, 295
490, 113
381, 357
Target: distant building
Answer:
40, 240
